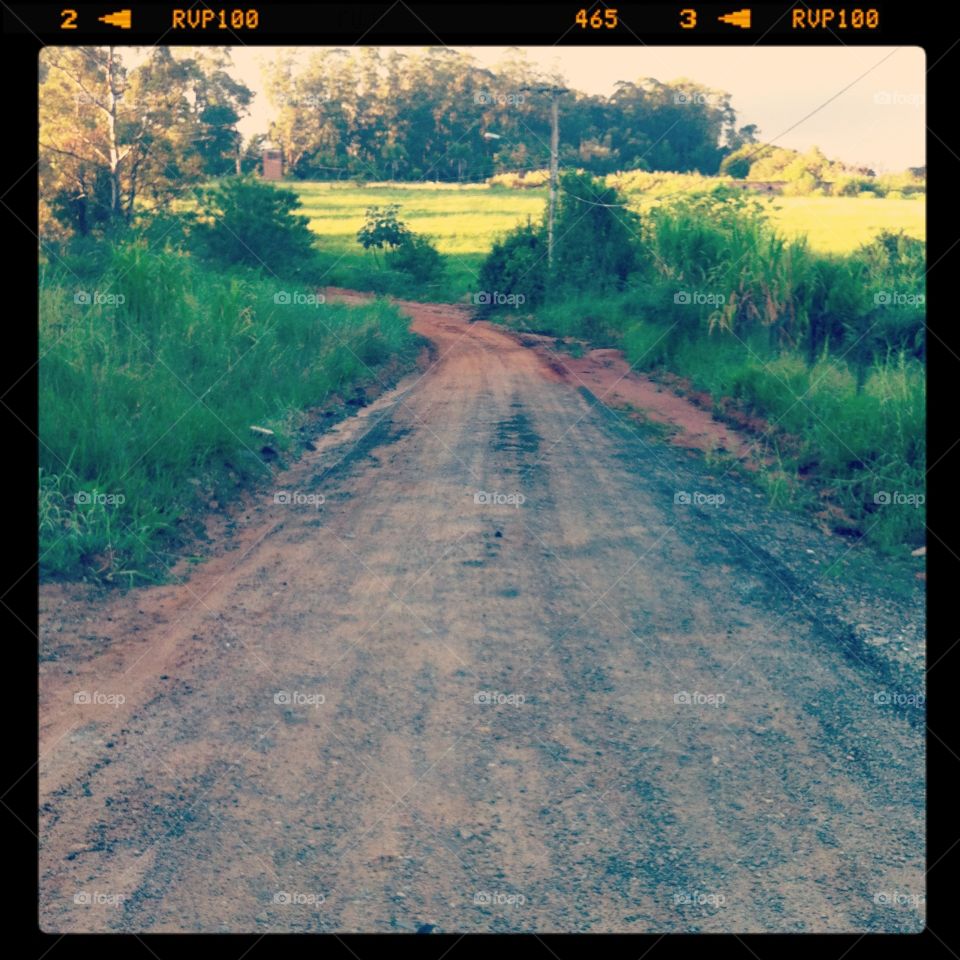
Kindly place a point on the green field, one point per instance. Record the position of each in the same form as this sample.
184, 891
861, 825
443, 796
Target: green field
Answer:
461, 220
464, 220
841, 224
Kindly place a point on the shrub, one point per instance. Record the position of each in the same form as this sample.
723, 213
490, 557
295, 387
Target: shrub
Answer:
249, 222
517, 264
596, 237
804, 185
418, 257
737, 164
519, 180
659, 182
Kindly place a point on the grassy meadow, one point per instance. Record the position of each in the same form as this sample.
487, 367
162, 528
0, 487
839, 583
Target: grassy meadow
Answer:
463, 222
841, 224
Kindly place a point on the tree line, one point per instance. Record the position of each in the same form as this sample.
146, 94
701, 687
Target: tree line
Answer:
437, 115
115, 138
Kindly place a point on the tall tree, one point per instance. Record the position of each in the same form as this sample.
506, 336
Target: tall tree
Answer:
113, 140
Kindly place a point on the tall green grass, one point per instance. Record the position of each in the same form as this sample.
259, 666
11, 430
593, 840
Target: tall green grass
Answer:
813, 343
151, 375
862, 445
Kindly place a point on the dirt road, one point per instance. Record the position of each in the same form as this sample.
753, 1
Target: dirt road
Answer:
481, 671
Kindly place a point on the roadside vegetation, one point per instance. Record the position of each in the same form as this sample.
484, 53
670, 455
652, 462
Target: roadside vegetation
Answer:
157, 359
463, 221
181, 296
827, 350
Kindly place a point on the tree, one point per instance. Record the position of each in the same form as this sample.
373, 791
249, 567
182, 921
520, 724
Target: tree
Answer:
220, 102
246, 221
115, 141
382, 228
80, 132
424, 115
596, 235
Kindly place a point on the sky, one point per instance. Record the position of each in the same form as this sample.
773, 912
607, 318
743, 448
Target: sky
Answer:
870, 101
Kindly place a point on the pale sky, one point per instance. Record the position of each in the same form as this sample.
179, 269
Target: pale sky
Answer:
875, 115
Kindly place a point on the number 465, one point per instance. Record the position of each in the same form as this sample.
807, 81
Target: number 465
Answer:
596, 20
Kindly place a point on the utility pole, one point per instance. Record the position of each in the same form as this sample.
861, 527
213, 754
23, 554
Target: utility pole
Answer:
554, 165
554, 92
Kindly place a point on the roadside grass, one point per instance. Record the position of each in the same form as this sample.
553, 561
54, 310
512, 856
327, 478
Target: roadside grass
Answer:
862, 449
146, 404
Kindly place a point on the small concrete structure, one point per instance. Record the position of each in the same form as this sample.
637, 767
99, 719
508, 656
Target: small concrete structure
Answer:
272, 164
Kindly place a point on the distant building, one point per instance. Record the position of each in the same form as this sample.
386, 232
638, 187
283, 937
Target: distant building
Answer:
272, 164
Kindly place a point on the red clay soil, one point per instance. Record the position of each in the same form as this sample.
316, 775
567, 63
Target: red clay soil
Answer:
608, 376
